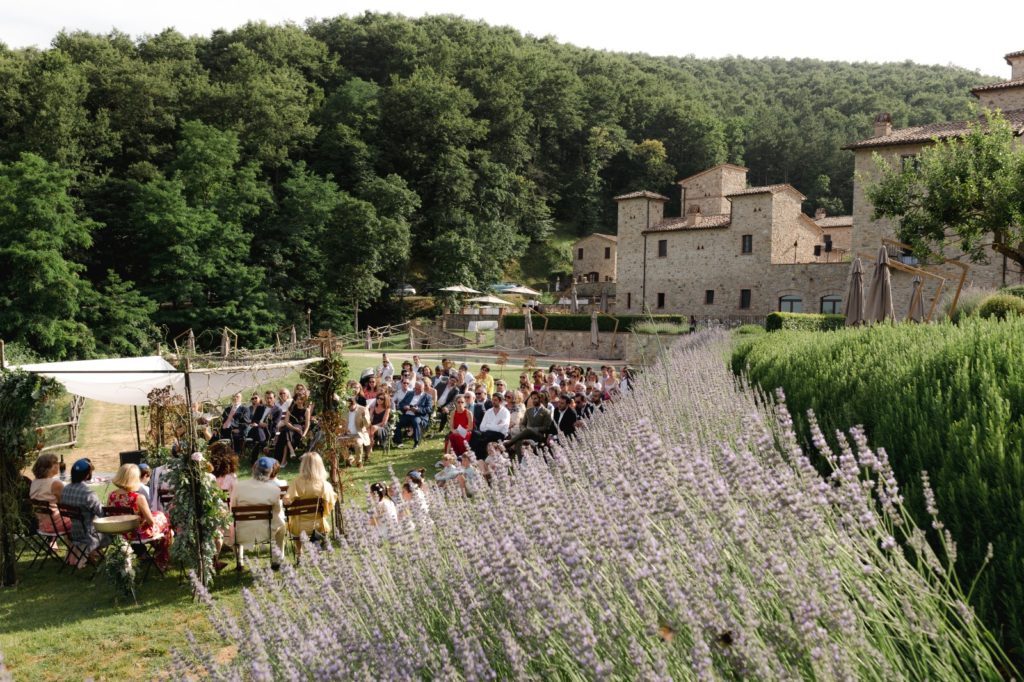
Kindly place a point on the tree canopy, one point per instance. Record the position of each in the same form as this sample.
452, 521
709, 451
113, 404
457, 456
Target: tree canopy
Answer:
966, 191
245, 177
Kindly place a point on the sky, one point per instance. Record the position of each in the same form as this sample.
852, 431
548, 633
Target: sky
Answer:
926, 32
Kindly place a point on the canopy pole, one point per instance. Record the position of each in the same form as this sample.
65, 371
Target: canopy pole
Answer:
3, 356
138, 433
187, 454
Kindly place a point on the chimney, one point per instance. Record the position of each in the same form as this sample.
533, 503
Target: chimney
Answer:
1016, 62
692, 216
820, 213
883, 124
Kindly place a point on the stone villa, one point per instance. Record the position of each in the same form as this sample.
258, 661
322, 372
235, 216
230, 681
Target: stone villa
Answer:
740, 251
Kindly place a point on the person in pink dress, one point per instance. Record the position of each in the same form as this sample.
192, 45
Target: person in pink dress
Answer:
154, 524
459, 428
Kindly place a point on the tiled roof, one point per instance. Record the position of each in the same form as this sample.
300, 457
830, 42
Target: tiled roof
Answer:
643, 194
1018, 53
766, 189
931, 131
606, 236
1002, 85
704, 222
836, 221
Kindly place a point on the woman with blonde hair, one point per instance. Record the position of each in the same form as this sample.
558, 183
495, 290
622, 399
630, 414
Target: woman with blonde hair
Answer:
154, 524
311, 483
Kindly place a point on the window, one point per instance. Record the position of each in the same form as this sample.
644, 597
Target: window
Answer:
832, 304
791, 304
607, 252
593, 277
661, 300
579, 254
662, 248
744, 298
828, 243
629, 300
748, 243
709, 296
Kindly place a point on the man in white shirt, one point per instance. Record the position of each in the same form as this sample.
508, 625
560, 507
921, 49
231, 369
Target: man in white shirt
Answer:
258, 490
386, 371
402, 390
493, 427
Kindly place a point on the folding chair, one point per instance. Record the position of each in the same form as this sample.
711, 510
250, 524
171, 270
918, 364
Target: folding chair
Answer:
304, 506
75, 552
254, 512
143, 547
50, 542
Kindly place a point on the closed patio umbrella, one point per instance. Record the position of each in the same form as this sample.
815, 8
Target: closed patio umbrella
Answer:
855, 296
575, 300
604, 300
528, 328
916, 311
595, 338
879, 303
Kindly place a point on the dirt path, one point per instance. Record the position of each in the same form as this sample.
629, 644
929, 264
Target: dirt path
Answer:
104, 430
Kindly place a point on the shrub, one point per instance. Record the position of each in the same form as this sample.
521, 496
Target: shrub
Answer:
809, 322
1000, 306
581, 323
946, 399
967, 305
660, 328
749, 329
1017, 291
671, 539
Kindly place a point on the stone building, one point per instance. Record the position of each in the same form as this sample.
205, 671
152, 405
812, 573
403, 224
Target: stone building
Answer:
742, 252
594, 258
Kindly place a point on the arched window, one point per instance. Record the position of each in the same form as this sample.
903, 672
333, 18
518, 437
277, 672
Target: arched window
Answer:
832, 304
791, 304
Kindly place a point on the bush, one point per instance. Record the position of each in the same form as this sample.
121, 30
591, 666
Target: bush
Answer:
967, 305
1017, 291
749, 329
808, 322
946, 399
581, 323
661, 328
1001, 306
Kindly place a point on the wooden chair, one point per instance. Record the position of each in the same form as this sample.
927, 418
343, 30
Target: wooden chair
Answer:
75, 552
305, 507
142, 546
254, 512
49, 543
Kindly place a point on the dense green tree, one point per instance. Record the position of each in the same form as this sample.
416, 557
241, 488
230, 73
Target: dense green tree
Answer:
967, 190
119, 317
40, 234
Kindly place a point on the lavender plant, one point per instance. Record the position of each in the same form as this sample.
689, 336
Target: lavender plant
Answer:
682, 535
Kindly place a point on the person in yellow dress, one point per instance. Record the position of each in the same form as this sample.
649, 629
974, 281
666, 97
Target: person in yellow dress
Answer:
311, 483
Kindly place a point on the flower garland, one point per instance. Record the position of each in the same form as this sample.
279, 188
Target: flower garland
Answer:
206, 514
119, 567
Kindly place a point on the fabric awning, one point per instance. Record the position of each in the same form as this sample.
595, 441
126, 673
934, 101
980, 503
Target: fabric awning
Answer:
127, 381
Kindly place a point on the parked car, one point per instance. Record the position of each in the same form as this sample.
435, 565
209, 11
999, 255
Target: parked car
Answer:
502, 287
404, 290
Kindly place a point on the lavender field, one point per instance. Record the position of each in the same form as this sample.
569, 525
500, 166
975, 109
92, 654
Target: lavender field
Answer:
683, 535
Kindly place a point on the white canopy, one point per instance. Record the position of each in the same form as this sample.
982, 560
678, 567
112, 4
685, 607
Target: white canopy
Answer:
460, 289
491, 300
127, 381
522, 291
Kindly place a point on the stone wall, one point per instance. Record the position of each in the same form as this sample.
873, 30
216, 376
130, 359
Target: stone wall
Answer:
594, 248
636, 349
1007, 100
707, 190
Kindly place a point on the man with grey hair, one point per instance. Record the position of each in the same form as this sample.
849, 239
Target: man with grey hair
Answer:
259, 490
415, 410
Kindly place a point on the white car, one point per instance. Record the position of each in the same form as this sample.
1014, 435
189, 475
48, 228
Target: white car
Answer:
404, 290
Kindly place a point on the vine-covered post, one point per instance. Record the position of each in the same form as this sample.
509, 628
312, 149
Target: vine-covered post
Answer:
197, 502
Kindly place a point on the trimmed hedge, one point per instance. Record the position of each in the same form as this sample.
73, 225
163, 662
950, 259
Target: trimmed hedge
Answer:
1000, 306
807, 322
1017, 290
946, 399
581, 323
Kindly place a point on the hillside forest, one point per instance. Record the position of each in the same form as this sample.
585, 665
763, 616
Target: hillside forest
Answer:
255, 176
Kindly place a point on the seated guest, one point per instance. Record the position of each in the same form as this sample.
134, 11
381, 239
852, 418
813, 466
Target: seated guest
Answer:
368, 392
465, 375
446, 400
460, 426
485, 378
293, 428
493, 427
354, 438
154, 524
386, 371
404, 386
47, 487
415, 412
536, 424
84, 536
538, 379
236, 418
225, 468
146, 473
428, 388
311, 483
584, 409
564, 417
262, 420
380, 423
259, 490
417, 366
479, 406
514, 402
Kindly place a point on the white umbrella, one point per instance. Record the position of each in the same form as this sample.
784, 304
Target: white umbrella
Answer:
522, 291
595, 338
528, 328
460, 289
490, 300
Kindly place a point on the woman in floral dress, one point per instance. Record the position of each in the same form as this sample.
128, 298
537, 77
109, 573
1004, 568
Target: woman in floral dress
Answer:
154, 524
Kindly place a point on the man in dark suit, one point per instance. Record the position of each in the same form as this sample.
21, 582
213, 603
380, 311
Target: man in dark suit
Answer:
537, 424
415, 410
235, 422
446, 397
564, 418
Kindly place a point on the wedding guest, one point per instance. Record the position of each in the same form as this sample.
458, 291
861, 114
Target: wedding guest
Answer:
460, 426
84, 536
355, 432
310, 483
235, 422
380, 423
262, 421
259, 490
384, 510
47, 487
293, 428
154, 524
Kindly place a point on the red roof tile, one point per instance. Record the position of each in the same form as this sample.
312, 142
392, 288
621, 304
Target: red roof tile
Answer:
643, 194
1002, 85
926, 133
836, 221
704, 222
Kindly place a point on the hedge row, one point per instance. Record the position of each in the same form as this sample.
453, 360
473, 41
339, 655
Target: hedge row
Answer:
946, 399
808, 322
581, 323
